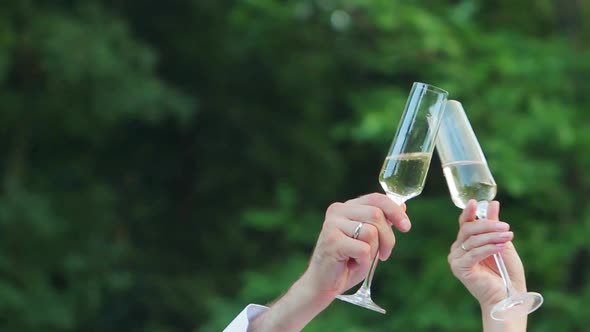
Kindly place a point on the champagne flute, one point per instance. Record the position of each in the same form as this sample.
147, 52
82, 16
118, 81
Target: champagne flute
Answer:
468, 177
404, 170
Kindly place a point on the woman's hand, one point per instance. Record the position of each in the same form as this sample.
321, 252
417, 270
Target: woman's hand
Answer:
472, 263
471, 255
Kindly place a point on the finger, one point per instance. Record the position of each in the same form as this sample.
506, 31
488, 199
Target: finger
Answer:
374, 217
367, 233
468, 213
476, 255
476, 227
359, 251
394, 213
481, 240
494, 210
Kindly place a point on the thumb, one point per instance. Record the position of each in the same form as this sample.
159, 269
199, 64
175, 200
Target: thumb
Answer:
468, 213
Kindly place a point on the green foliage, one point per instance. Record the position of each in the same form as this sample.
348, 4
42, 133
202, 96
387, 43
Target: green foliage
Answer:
165, 165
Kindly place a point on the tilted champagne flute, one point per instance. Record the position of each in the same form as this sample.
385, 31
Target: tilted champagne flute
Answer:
404, 170
468, 177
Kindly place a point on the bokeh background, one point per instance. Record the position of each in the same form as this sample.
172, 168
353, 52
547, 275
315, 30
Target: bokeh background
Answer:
165, 163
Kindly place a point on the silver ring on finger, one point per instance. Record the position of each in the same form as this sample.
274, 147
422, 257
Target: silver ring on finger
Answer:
463, 247
357, 230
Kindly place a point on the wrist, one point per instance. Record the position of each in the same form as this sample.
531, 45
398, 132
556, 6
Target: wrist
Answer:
294, 310
491, 325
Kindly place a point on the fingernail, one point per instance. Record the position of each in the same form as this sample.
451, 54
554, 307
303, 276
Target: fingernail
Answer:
506, 235
388, 254
406, 224
384, 257
502, 226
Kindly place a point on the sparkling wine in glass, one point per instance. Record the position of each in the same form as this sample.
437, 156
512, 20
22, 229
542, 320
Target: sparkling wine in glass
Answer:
406, 165
468, 177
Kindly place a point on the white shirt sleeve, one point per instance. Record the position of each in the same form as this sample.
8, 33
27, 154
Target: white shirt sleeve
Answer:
242, 321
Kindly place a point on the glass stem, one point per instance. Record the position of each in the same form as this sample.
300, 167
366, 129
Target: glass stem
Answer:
482, 213
366, 287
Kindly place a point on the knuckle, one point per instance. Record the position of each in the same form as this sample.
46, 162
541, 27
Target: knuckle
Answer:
374, 198
333, 208
372, 232
377, 214
450, 256
328, 223
365, 252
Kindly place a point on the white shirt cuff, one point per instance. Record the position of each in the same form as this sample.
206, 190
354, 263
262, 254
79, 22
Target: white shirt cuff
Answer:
242, 321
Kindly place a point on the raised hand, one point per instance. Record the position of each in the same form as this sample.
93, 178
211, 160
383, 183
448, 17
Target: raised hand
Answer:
353, 233
471, 255
472, 263
340, 260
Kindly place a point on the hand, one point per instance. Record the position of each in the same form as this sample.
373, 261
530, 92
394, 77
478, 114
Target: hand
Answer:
475, 267
339, 261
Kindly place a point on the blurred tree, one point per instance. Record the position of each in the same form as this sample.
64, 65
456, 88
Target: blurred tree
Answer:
75, 84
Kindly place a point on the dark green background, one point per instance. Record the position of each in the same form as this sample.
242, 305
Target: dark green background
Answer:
165, 163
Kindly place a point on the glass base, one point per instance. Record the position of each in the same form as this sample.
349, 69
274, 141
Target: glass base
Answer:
517, 306
361, 300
